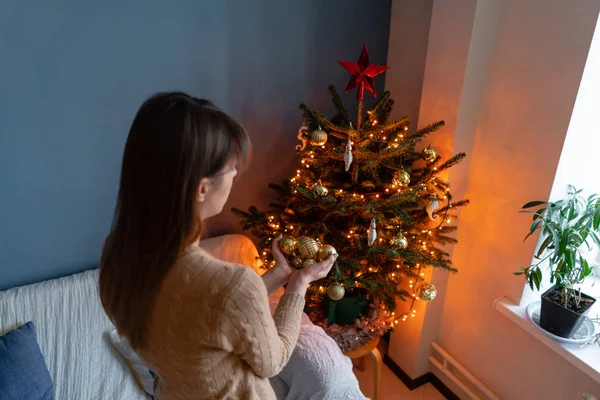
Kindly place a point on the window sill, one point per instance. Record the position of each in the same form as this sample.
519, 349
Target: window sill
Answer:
587, 359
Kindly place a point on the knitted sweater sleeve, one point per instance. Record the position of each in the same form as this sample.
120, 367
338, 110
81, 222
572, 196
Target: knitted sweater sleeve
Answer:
263, 341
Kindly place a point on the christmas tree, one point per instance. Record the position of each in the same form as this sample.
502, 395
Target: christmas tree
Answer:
363, 188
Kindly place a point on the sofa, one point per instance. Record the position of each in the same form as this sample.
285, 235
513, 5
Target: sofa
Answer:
72, 332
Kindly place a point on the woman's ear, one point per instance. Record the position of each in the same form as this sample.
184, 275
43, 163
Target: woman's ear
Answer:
202, 190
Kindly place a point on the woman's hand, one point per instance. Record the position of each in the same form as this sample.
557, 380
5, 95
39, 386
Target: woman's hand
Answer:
317, 271
301, 278
280, 261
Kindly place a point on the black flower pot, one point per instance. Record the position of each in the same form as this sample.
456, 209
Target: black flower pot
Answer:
559, 320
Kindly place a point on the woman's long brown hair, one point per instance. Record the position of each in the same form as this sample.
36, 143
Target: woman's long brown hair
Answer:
175, 141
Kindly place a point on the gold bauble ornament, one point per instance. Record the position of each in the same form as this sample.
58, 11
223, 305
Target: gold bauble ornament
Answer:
288, 245
335, 291
297, 262
319, 190
401, 178
307, 247
318, 137
325, 251
399, 241
429, 154
308, 262
427, 292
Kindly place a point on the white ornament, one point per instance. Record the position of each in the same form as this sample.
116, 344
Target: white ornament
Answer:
302, 136
348, 154
434, 205
372, 232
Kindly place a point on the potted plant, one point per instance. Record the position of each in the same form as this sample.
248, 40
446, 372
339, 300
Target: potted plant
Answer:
567, 226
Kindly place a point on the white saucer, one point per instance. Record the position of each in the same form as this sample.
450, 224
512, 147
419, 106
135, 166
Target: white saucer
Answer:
583, 334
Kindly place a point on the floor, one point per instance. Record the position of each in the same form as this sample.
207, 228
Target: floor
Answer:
392, 387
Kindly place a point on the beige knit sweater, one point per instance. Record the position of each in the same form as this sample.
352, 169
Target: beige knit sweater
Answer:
212, 335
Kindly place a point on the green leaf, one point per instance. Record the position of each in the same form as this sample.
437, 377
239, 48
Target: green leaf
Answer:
595, 238
555, 236
539, 213
533, 204
562, 248
597, 218
571, 212
535, 225
543, 246
586, 270
538, 278
560, 265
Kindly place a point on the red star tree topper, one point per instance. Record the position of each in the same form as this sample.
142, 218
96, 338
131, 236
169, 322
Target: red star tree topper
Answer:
362, 74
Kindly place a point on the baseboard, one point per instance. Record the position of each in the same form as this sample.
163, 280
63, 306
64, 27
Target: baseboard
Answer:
413, 384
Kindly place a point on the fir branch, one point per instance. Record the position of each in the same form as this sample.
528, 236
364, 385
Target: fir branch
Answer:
386, 110
396, 153
283, 189
277, 206
452, 161
240, 213
252, 216
343, 113
419, 134
386, 127
403, 294
378, 251
460, 203
309, 116
366, 282
352, 264
373, 113
334, 129
446, 229
445, 239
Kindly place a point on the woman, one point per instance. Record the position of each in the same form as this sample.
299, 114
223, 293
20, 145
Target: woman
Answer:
201, 324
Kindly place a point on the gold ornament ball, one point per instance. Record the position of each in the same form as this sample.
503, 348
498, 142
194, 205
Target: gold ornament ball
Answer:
335, 291
427, 292
297, 262
307, 247
318, 137
401, 178
319, 190
308, 262
288, 245
429, 154
399, 241
325, 251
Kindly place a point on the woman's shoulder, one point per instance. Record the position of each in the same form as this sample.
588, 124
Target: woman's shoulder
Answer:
202, 269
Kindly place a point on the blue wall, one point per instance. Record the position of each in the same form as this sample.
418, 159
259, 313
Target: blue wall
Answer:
72, 76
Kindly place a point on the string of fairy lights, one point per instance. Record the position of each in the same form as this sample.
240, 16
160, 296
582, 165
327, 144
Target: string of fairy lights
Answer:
300, 180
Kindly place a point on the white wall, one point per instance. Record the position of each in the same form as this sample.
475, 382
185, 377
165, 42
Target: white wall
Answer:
518, 83
407, 341
409, 33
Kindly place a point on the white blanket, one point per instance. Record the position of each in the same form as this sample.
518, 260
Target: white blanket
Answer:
317, 369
